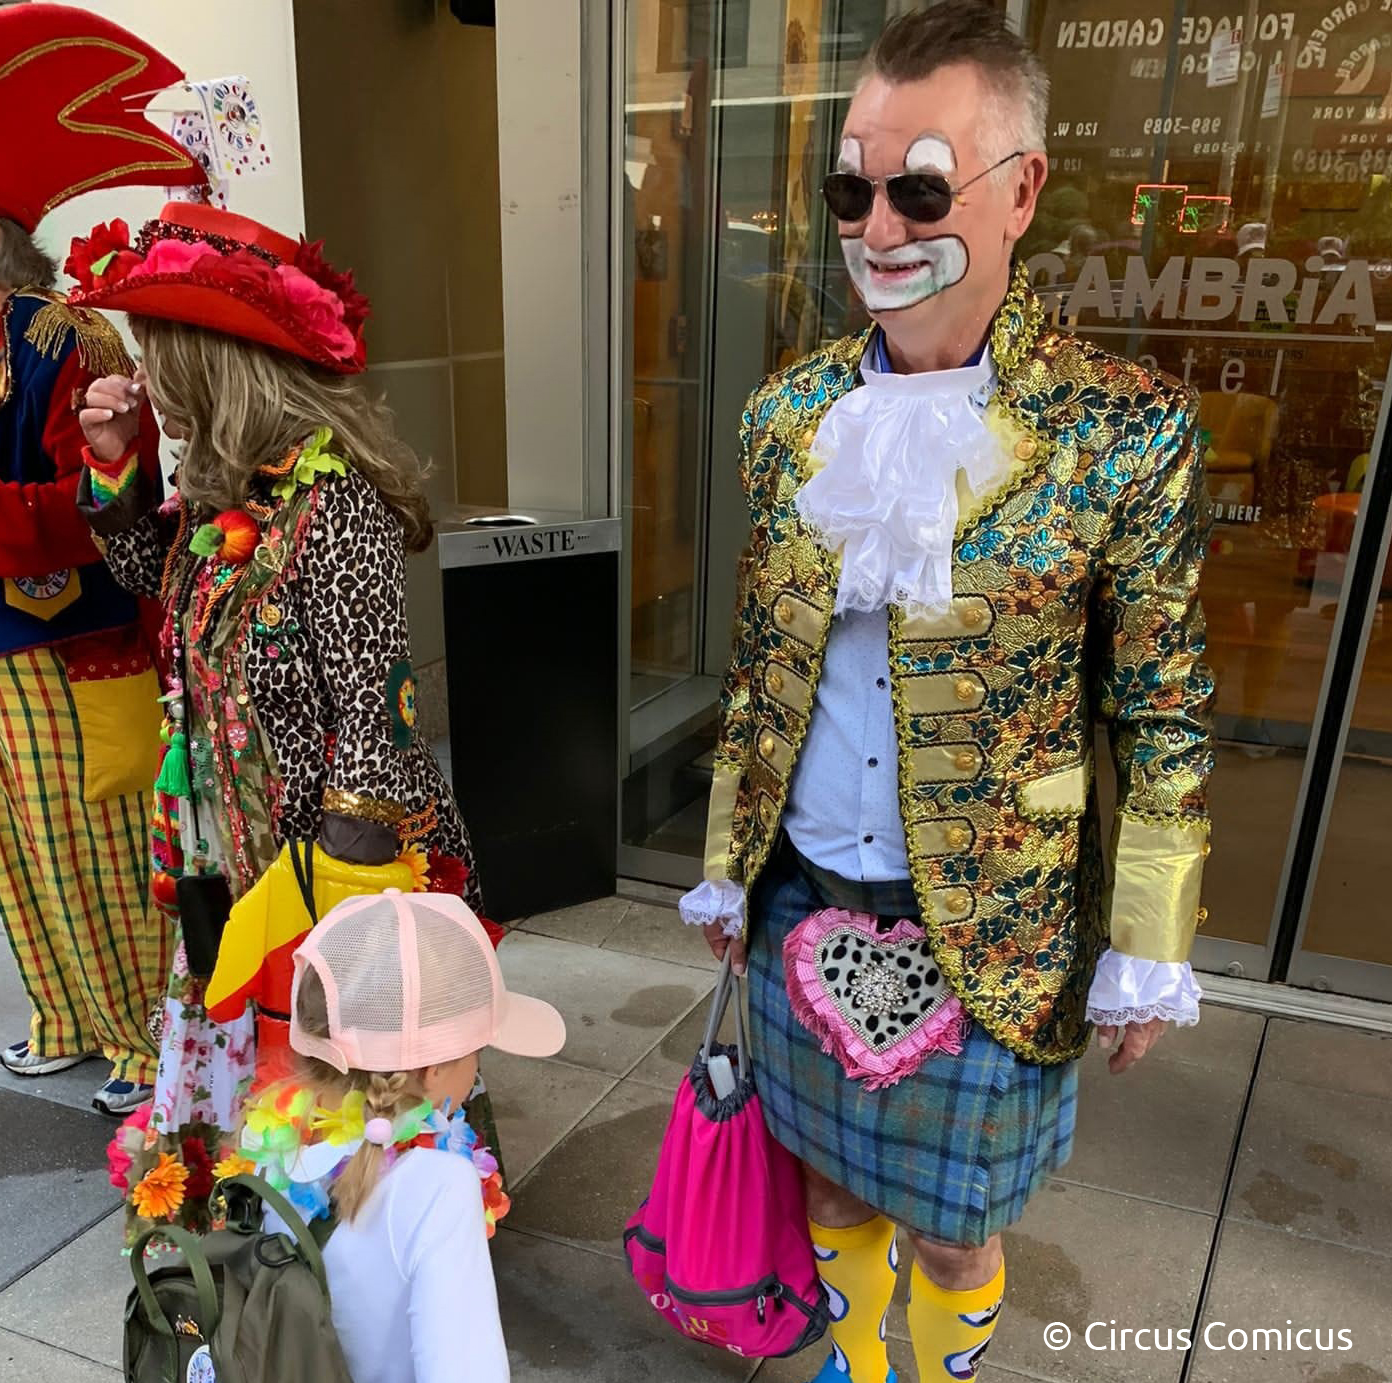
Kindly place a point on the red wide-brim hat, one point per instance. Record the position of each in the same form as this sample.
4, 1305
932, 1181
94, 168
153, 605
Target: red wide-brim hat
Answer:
209, 268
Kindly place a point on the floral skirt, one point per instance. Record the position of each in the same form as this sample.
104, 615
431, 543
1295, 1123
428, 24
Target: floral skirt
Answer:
168, 1154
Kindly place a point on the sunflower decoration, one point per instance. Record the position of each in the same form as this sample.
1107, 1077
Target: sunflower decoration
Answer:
160, 1192
415, 859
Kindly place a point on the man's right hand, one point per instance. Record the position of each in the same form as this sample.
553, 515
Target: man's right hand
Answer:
719, 942
111, 419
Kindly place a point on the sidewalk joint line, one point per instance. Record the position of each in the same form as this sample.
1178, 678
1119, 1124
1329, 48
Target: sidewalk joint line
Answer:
1216, 1242
60, 1349
55, 1251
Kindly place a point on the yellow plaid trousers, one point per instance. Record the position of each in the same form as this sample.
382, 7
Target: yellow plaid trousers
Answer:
93, 951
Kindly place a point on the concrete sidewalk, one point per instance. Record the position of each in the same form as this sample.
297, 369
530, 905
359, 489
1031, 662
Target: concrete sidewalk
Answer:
1242, 1174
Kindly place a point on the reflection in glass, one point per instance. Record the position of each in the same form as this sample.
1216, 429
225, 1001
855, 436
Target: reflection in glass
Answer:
1215, 210
1218, 206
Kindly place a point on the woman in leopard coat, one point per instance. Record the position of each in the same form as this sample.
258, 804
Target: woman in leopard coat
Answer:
281, 565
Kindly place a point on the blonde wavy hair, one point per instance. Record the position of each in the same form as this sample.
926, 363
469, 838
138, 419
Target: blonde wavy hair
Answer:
240, 406
386, 1094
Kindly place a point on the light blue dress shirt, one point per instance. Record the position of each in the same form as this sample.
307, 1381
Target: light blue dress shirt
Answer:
843, 803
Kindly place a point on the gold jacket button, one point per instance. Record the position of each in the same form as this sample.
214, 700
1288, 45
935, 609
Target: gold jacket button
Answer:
1202, 916
958, 903
775, 681
965, 689
767, 744
766, 811
1026, 448
973, 618
965, 760
958, 837
783, 612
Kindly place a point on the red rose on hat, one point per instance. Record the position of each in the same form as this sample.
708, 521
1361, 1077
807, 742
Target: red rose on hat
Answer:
108, 245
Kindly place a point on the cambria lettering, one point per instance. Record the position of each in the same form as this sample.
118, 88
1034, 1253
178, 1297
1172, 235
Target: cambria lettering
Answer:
1210, 290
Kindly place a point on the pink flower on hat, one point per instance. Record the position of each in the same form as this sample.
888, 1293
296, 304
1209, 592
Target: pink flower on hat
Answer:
172, 257
320, 312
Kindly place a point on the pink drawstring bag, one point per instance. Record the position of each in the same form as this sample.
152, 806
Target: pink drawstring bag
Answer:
721, 1246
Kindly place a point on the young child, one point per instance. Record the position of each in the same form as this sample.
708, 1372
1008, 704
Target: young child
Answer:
394, 997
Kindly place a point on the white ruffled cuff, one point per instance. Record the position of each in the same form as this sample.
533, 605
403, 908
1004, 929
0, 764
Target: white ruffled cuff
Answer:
1126, 989
714, 900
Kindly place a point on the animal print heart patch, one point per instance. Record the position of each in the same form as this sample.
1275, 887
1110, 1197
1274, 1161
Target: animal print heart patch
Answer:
877, 1001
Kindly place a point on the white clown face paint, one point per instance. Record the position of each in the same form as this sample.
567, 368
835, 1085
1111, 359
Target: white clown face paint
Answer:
930, 153
892, 279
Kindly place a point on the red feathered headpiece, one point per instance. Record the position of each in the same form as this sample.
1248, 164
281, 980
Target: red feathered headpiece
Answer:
73, 90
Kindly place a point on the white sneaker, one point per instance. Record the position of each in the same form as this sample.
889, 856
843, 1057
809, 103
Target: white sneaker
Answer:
119, 1097
22, 1060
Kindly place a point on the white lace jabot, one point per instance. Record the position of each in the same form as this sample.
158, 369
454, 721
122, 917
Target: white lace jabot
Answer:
886, 493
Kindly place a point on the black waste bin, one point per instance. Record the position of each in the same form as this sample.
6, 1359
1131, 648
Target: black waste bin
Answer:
532, 650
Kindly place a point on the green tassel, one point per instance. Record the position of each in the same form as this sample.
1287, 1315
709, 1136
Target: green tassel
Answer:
173, 778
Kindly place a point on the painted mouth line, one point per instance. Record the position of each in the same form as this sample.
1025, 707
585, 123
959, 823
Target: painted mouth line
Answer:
898, 270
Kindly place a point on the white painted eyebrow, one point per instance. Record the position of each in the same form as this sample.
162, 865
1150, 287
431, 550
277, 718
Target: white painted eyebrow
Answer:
852, 158
930, 153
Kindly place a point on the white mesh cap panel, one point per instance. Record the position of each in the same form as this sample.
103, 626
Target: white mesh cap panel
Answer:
412, 981
365, 973
455, 978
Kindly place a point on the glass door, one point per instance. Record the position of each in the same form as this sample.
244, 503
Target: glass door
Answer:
1218, 206
1345, 944
731, 114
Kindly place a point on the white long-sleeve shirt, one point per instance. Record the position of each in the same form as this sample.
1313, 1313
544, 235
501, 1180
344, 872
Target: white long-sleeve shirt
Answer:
412, 1280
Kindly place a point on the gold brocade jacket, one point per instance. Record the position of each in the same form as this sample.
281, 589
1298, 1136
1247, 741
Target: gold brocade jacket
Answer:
1075, 600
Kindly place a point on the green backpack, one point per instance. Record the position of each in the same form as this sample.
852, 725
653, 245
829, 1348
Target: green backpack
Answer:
240, 1305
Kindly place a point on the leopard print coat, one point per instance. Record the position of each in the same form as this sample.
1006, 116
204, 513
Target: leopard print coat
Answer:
324, 688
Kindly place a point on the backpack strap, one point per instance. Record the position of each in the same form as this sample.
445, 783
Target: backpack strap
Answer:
188, 1245
306, 1241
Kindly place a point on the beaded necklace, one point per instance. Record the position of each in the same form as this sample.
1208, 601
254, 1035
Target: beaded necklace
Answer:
212, 606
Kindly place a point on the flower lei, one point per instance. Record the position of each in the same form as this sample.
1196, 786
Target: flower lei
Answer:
301, 1148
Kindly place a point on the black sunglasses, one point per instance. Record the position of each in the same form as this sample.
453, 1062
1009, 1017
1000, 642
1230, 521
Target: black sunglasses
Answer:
915, 196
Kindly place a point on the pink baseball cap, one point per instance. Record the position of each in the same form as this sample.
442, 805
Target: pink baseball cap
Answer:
412, 980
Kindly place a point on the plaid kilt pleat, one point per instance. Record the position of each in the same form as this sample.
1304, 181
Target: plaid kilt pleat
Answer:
952, 1152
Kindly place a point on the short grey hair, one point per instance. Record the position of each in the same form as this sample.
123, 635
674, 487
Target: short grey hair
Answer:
914, 46
22, 263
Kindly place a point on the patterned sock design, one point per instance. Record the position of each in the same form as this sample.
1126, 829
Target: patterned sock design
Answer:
858, 1266
951, 1330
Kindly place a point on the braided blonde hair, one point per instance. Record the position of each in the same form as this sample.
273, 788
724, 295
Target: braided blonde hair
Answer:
386, 1094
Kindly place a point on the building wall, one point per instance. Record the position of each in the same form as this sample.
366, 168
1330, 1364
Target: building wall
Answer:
539, 100
401, 181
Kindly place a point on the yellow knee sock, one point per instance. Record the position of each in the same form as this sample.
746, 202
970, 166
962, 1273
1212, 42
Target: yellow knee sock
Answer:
858, 1267
950, 1330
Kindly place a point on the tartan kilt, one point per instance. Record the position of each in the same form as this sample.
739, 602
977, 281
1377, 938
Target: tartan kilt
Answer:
952, 1152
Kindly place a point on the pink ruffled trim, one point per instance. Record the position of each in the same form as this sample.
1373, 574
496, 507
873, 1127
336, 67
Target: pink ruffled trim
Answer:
945, 1031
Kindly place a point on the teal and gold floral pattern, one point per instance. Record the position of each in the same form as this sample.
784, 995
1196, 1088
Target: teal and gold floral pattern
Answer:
1088, 557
